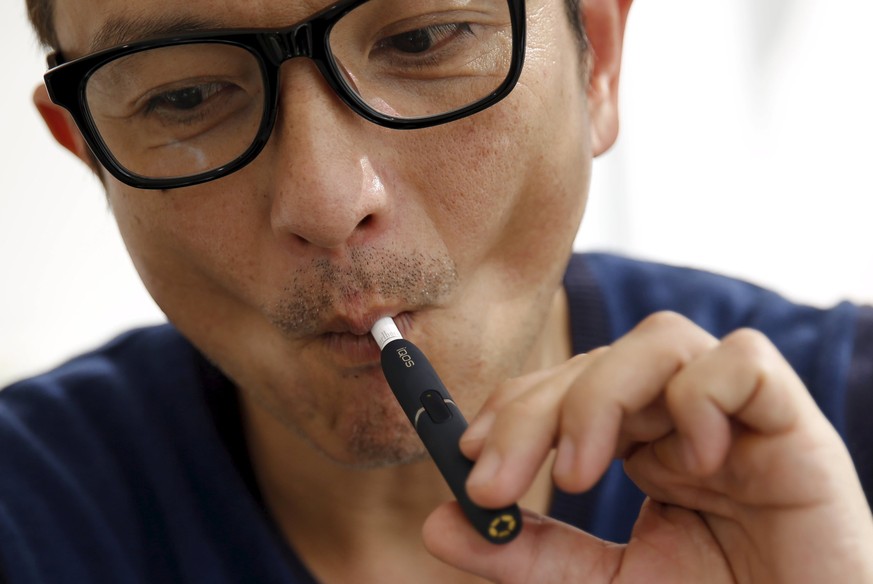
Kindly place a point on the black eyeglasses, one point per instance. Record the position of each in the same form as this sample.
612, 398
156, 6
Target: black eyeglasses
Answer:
184, 110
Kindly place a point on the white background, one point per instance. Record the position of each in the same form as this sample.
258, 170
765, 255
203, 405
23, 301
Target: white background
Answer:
745, 149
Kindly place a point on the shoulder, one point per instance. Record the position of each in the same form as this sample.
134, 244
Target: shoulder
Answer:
831, 348
133, 357
819, 342
89, 446
115, 387
125, 375
628, 290
632, 289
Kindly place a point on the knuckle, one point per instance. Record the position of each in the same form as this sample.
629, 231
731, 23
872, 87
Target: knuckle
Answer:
519, 402
593, 354
493, 400
521, 409
539, 400
673, 337
750, 345
680, 390
666, 320
509, 388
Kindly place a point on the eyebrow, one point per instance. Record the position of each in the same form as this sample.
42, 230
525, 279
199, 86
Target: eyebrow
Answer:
118, 31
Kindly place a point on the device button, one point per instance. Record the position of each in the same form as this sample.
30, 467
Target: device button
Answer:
435, 406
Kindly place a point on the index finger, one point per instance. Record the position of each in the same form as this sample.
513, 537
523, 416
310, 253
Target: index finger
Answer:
623, 381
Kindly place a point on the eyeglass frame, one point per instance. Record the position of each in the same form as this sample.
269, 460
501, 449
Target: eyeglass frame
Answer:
67, 81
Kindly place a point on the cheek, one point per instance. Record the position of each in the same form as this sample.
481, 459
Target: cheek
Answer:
188, 240
468, 176
509, 182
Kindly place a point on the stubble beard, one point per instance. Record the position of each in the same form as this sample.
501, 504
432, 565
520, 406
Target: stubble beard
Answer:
324, 288
378, 434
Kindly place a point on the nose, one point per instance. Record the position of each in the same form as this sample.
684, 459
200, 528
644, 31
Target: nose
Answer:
327, 179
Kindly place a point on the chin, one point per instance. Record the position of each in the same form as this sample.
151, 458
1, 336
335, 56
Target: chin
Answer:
379, 436
371, 448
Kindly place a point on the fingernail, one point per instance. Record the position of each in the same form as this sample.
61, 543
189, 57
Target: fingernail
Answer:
479, 428
484, 470
565, 460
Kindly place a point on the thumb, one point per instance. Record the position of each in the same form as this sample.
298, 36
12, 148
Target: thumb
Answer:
546, 550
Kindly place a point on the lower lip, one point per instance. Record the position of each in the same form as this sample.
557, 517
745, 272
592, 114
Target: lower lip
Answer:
360, 350
357, 349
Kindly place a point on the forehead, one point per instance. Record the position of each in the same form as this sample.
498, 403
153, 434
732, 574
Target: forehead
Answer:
87, 25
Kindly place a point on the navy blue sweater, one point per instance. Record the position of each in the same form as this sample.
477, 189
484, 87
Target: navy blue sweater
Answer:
128, 464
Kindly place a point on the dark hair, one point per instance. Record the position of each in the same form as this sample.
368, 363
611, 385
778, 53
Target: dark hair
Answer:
41, 16
576, 21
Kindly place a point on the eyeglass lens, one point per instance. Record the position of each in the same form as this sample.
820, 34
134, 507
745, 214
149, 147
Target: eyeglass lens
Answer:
181, 110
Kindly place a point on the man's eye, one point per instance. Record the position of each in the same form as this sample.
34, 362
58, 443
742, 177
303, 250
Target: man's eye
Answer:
423, 39
185, 98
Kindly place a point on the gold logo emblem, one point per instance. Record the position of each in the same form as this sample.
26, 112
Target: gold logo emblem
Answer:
502, 526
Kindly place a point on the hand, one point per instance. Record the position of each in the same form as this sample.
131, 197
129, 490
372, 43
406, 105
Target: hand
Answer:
746, 480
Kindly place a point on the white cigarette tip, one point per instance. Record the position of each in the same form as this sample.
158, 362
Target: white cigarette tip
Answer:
385, 331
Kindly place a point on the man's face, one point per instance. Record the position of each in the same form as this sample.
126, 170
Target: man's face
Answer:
277, 272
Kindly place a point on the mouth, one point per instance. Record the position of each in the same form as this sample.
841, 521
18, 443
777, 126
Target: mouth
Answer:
349, 340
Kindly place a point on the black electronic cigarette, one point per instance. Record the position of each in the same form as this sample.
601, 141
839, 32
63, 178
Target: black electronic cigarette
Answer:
439, 424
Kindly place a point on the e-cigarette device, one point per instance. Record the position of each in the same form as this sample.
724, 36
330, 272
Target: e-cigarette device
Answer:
439, 424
